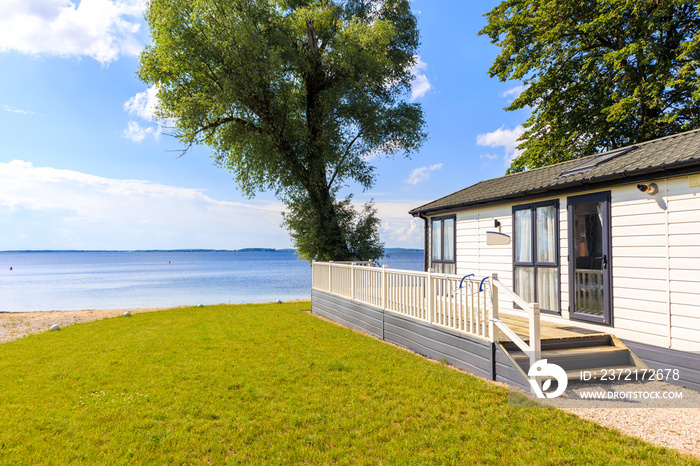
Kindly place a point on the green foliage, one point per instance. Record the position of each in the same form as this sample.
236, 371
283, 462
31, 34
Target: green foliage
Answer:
359, 230
291, 95
600, 74
269, 384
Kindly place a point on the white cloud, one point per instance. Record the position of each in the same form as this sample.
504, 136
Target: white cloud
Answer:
514, 92
398, 227
420, 85
506, 138
422, 174
101, 29
49, 208
402, 233
136, 133
143, 105
488, 156
18, 111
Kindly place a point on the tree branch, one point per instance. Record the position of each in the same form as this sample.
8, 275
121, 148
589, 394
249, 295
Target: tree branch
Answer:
231, 119
342, 159
313, 41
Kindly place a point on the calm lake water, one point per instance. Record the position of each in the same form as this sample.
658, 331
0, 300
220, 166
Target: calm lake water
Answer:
43, 280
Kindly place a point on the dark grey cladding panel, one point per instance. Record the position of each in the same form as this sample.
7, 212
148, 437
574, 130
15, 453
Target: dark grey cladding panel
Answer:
470, 354
687, 363
346, 312
462, 351
507, 372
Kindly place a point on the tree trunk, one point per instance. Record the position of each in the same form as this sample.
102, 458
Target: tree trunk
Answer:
330, 237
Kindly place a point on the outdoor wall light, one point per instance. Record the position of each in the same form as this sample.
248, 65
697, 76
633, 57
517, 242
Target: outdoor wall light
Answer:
650, 188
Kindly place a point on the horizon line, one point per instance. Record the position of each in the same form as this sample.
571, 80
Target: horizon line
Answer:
184, 250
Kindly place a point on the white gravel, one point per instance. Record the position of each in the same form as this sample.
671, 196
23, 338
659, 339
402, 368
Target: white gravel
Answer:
672, 423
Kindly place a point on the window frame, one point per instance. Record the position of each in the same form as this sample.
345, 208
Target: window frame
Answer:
534, 263
442, 260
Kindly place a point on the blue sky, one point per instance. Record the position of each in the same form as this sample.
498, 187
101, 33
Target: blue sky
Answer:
83, 165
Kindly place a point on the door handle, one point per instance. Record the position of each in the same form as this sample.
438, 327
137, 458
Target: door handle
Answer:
605, 261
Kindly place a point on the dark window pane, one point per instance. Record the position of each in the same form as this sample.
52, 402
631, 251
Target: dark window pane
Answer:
546, 228
523, 236
449, 239
548, 288
524, 285
437, 236
588, 258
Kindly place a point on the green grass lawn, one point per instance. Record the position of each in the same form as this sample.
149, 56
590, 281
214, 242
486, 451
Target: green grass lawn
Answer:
269, 384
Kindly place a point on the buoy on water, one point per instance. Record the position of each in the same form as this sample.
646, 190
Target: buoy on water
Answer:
10, 268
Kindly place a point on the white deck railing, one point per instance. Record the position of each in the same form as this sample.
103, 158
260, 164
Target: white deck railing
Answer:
464, 304
534, 346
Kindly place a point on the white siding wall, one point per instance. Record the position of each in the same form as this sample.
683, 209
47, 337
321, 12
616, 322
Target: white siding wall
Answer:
655, 259
640, 276
564, 256
473, 256
656, 268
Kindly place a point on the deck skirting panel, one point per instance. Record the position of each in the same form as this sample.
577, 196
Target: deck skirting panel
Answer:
462, 351
349, 313
656, 357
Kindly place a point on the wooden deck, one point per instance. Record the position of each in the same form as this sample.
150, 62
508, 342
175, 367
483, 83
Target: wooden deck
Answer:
548, 330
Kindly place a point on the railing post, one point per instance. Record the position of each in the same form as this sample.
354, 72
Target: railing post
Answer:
493, 329
384, 287
430, 296
352, 281
330, 276
535, 342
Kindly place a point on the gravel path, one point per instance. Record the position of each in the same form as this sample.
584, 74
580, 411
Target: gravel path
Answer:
667, 427
672, 423
677, 428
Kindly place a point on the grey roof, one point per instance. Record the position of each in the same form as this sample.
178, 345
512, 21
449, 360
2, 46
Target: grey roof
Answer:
655, 157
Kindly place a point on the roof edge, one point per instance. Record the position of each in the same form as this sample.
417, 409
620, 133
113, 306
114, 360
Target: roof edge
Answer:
661, 170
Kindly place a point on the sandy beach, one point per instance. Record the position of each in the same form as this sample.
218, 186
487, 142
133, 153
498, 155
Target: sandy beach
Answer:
14, 325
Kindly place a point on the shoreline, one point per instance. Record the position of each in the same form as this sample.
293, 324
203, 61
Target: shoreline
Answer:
16, 325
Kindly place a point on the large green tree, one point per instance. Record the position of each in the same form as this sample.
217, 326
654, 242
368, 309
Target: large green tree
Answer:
294, 97
600, 74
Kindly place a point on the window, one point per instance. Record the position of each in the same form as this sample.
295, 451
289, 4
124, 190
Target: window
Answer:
536, 254
443, 244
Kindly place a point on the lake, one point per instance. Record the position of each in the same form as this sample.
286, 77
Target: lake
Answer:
76, 280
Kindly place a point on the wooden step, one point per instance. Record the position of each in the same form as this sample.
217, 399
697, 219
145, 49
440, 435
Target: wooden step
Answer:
566, 343
599, 355
585, 358
602, 350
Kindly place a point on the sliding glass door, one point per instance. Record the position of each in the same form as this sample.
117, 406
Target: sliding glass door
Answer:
590, 253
